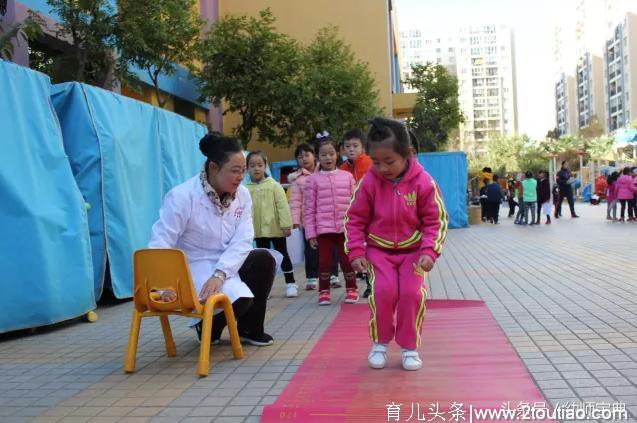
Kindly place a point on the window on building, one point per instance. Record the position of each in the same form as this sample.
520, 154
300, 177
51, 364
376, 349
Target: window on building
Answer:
184, 108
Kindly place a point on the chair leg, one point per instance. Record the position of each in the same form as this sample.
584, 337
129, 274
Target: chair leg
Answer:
131, 354
206, 329
171, 349
237, 349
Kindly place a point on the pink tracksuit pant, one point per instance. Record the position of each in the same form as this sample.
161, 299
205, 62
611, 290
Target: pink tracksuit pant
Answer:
398, 287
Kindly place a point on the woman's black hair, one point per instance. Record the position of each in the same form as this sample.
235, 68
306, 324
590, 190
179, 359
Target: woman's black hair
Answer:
383, 129
612, 177
626, 171
257, 153
355, 134
528, 174
486, 169
218, 148
304, 148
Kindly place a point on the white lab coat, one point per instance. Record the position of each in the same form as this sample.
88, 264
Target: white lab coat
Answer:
190, 222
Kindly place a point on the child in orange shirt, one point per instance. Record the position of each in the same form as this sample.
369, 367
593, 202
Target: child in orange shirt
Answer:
357, 163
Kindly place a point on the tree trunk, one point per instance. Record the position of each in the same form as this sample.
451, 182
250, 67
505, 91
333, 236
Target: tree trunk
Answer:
246, 128
154, 77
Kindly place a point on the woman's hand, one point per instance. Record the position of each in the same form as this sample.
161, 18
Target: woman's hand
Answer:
426, 263
360, 264
287, 232
211, 287
314, 243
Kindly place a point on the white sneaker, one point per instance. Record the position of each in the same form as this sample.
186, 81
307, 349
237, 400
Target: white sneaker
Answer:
311, 284
335, 282
291, 290
411, 360
377, 357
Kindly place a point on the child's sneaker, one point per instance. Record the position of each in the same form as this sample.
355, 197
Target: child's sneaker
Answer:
311, 284
411, 360
291, 290
377, 357
335, 282
352, 296
324, 298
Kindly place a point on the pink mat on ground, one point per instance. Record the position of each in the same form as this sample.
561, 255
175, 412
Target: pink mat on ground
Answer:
467, 359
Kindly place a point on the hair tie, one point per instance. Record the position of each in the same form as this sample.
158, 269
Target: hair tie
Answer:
322, 135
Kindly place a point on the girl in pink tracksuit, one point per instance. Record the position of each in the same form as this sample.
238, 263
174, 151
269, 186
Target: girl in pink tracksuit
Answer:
327, 195
395, 228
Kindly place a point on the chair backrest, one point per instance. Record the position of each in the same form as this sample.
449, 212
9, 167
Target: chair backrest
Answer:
159, 269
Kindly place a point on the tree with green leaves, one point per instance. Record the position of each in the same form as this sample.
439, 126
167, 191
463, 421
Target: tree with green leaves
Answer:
89, 26
29, 29
553, 134
338, 91
507, 154
251, 69
284, 92
437, 110
592, 130
155, 36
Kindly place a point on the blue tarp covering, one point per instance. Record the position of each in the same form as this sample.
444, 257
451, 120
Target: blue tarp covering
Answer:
450, 172
126, 155
45, 247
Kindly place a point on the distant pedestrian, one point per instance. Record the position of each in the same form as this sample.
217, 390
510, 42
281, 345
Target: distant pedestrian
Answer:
494, 199
511, 198
543, 198
519, 193
611, 196
565, 180
530, 198
626, 193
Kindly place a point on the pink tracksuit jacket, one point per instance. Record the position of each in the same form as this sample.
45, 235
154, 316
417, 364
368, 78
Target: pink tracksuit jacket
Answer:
326, 197
392, 224
408, 215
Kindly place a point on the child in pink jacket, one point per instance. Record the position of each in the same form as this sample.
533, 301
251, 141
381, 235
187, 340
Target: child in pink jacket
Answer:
306, 158
626, 193
395, 228
611, 196
327, 196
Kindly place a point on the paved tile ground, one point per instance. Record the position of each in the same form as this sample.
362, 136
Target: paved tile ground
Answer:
565, 295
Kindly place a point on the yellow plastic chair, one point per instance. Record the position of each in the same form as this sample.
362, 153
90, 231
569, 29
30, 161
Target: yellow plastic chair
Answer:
157, 270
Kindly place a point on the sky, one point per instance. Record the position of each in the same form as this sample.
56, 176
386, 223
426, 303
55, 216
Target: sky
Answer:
533, 24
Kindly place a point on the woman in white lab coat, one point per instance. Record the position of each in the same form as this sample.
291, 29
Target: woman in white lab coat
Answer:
209, 217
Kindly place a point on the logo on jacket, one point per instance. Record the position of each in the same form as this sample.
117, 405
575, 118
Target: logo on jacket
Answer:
238, 212
411, 199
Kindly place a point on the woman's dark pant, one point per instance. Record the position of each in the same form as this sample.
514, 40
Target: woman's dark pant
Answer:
512, 205
631, 206
566, 192
257, 272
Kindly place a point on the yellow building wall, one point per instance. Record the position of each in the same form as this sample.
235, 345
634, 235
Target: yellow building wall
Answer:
364, 24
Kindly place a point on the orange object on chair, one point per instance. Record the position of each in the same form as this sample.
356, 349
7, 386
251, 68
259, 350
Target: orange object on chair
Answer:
157, 270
